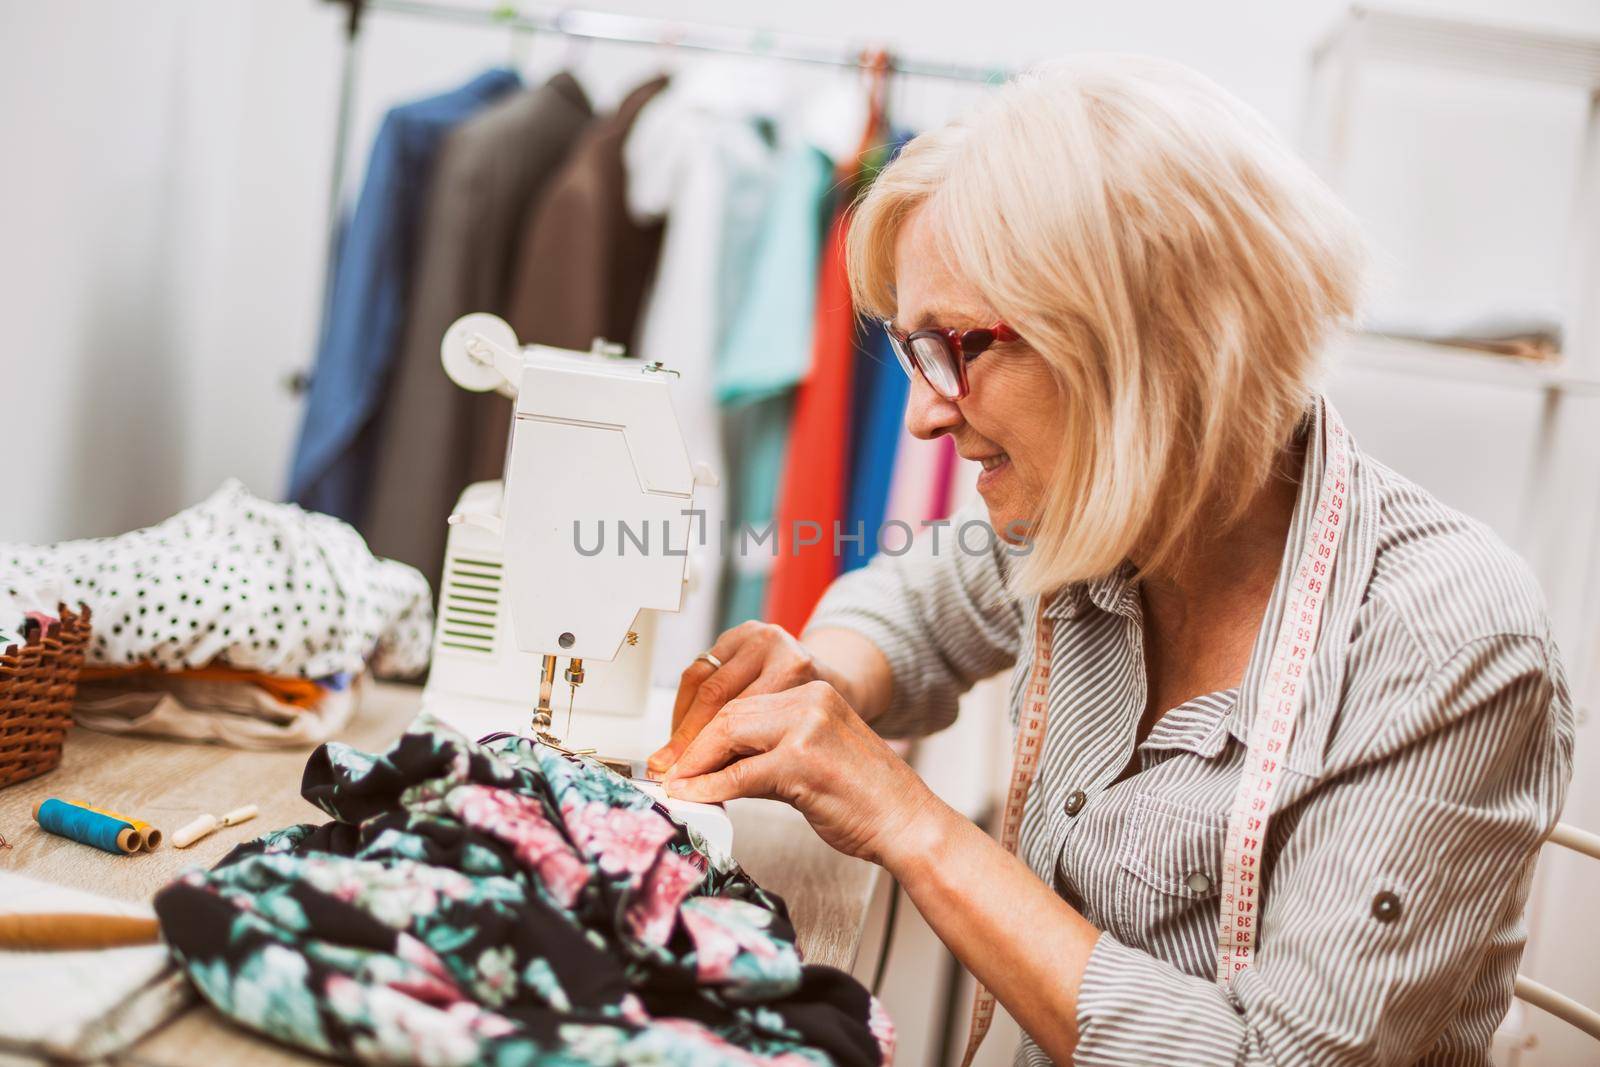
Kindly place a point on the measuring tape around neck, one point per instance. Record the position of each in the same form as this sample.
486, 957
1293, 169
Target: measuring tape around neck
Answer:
1275, 718
1279, 707
1025, 752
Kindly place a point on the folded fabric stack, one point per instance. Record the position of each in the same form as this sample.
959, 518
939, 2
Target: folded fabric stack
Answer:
237, 620
505, 904
245, 709
81, 1006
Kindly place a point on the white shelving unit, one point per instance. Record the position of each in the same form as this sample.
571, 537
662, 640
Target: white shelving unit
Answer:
1561, 501
1423, 359
1369, 38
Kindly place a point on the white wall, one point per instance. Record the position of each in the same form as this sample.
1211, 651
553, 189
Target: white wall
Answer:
160, 251
163, 212
163, 202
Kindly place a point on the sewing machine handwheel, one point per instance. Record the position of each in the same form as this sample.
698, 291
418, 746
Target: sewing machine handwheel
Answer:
476, 374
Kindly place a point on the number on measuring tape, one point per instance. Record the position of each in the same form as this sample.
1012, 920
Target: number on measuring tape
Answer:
1249, 815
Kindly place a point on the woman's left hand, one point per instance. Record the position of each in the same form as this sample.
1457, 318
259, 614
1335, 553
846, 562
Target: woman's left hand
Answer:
807, 747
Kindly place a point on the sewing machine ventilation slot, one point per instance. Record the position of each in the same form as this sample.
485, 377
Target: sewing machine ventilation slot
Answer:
470, 605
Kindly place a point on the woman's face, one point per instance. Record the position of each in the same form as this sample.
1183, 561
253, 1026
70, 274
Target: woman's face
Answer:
1010, 418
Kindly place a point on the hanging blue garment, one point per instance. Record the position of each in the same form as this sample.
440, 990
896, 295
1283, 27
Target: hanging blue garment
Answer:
880, 404
878, 409
333, 457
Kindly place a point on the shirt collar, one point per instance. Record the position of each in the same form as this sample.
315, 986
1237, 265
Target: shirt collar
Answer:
570, 89
1116, 593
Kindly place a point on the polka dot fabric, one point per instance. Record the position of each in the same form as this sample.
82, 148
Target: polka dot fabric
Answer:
237, 581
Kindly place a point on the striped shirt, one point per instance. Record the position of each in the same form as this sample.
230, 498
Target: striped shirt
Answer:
1431, 757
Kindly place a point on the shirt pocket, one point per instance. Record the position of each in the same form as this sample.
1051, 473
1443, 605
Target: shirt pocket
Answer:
1168, 878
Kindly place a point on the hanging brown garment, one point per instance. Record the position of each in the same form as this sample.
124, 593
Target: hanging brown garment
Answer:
585, 265
434, 437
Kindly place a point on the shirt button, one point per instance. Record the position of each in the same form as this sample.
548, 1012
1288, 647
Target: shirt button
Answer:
1386, 907
1075, 802
1198, 882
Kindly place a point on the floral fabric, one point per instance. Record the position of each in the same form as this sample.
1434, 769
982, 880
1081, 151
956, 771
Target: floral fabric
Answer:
505, 904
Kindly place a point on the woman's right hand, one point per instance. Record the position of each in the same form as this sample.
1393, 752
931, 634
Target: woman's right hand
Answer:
756, 657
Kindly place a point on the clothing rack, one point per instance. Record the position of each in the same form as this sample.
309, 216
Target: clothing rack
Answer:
639, 29
601, 26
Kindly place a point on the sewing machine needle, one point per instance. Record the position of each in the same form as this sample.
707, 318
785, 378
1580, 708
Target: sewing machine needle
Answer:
572, 698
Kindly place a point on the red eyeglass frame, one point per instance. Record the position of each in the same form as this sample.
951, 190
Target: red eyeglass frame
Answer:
961, 347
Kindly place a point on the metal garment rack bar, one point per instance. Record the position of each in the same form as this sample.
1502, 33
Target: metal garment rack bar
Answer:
600, 26
642, 30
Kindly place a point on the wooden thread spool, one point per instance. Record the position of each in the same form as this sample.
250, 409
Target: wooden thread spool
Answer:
148, 835
87, 826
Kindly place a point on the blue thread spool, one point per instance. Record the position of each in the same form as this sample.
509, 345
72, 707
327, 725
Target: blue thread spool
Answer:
86, 826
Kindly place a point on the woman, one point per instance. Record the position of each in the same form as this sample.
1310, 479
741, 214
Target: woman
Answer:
1111, 286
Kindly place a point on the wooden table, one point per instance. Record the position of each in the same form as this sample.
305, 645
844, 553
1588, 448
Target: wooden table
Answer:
167, 783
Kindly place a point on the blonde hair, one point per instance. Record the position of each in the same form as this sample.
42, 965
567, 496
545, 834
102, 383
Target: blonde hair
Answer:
1175, 264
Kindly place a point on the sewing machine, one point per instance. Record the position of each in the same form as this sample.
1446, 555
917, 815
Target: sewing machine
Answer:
569, 556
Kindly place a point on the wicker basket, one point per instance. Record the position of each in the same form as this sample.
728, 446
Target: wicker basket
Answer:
38, 681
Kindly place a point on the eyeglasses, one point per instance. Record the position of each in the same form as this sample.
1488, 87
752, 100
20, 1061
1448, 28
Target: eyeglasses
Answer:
941, 354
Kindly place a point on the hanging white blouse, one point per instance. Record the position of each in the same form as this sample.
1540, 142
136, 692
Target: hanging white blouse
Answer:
698, 156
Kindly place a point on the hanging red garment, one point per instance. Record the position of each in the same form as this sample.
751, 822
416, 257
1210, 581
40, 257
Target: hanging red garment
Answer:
816, 469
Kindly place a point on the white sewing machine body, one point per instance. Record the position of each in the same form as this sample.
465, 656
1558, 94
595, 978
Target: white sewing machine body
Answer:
536, 566
482, 681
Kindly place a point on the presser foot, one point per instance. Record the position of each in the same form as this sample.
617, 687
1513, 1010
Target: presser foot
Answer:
619, 766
